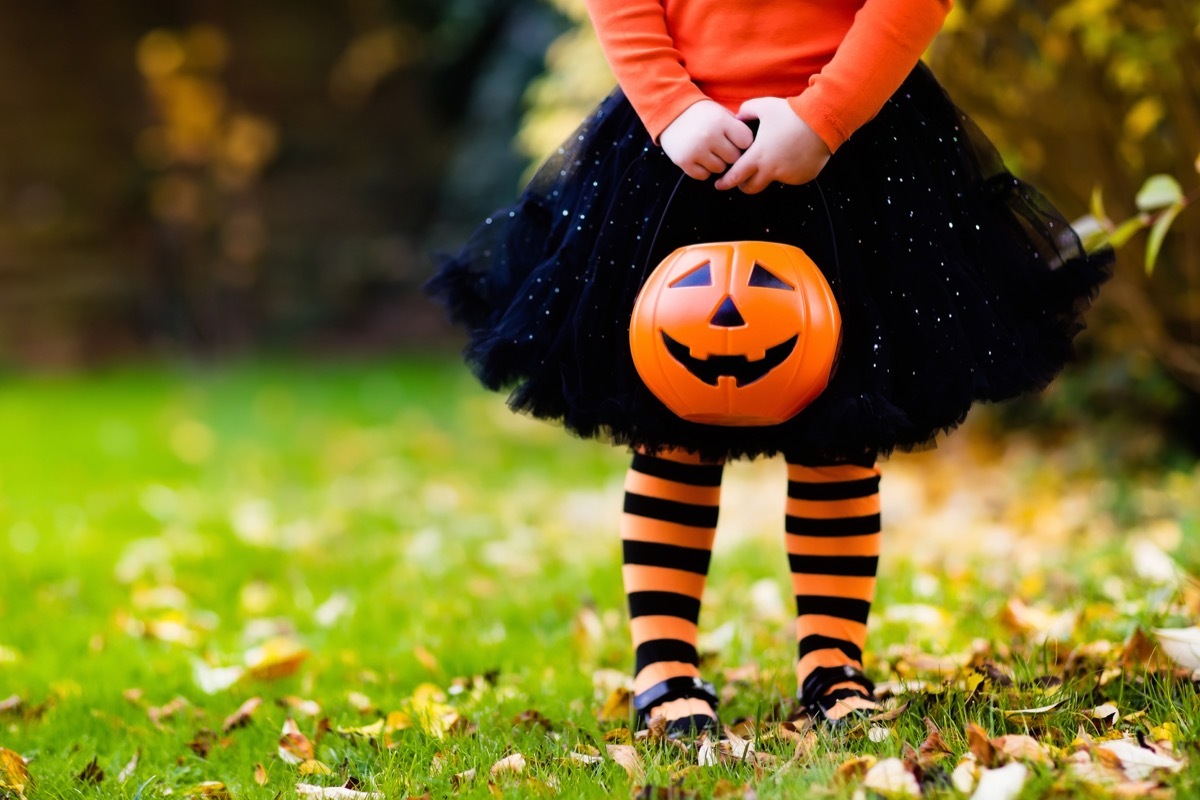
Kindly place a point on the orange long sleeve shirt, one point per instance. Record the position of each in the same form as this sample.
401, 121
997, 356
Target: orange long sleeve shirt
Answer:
836, 61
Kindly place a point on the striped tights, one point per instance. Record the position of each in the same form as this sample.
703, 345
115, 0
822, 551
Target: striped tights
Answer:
833, 539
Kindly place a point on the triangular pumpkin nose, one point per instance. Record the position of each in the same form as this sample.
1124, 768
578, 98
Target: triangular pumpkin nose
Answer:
727, 315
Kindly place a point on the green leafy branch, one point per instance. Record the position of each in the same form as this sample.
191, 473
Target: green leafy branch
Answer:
1159, 202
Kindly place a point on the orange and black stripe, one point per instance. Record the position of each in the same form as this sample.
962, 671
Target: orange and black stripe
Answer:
667, 531
833, 543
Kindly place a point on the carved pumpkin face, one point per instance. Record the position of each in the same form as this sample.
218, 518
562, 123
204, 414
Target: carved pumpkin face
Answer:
735, 333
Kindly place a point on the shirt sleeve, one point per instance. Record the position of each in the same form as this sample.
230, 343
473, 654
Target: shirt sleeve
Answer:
882, 46
644, 59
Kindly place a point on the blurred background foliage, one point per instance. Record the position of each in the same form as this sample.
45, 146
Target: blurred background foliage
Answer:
207, 178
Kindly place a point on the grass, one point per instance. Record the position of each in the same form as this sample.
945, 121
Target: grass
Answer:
406, 535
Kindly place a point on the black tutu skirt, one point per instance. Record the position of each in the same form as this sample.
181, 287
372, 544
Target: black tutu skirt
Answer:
956, 281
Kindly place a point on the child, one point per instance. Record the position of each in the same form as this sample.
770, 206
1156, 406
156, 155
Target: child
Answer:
956, 282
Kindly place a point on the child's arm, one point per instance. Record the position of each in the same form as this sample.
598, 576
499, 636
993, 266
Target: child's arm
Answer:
880, 49
696, 133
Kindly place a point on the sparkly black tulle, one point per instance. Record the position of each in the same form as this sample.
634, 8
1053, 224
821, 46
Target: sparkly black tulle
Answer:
956, 281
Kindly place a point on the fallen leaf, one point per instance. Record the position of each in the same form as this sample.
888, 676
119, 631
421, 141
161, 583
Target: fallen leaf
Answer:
854, 768
14, 774
10, 704
1141, 651
1022, 747
878, 733
892, 778
275, 658
212, 679
314, 767
91, 773
890, 714
617, 706
209, 789
934, 748
294, 746
1182, 645
1108, 714
1038, 624
159, 713
202, 743
127, 771
627, 757
336, 792
360, 702
1004, 783
585, 758
462, 778
309, 708
532, 719
242, 716
260, 774
514, 763
963, 777
427, 659
1137, 762
980, 745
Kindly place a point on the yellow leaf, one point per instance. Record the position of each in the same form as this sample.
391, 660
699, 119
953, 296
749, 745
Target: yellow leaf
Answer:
1144, 117
314, 767
209, 789
14, 775
275, 658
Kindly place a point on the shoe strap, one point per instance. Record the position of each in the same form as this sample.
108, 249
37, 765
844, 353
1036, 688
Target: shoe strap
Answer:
821, 680
676, 689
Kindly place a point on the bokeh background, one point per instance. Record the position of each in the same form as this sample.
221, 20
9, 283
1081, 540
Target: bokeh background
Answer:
199, 180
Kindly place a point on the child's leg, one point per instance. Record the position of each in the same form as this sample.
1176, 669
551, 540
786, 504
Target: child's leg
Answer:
667, 530
833, 540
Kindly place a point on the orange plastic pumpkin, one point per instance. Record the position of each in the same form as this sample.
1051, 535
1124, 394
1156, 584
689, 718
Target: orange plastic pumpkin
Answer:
735, 333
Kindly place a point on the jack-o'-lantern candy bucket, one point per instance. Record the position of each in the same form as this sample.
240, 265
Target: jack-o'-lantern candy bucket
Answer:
736, 333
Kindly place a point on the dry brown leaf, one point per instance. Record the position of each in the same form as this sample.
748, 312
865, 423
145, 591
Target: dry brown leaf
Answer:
805, 743
242, 716
890, 714
854, 768
336, 792
463, 778
727, 789
934, 748
260, 774
127, 771
91, 773
294, 746
627, 757
10, 704
211, 790
1142, 652
14, 774
980, 745
1024, 748
159, 713
531, 718
514, 763
892, 778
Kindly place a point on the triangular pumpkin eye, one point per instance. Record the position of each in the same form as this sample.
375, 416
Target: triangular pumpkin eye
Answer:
701, 276
761, 276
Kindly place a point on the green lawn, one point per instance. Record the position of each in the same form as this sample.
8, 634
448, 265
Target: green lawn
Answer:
399, 542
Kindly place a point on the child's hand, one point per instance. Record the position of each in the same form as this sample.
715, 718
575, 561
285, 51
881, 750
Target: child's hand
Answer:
705, 139
786, 149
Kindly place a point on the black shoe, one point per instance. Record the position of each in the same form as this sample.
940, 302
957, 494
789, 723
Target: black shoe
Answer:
817, 698
679, 689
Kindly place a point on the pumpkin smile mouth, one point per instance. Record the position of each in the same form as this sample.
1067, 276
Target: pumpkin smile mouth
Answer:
740, 368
